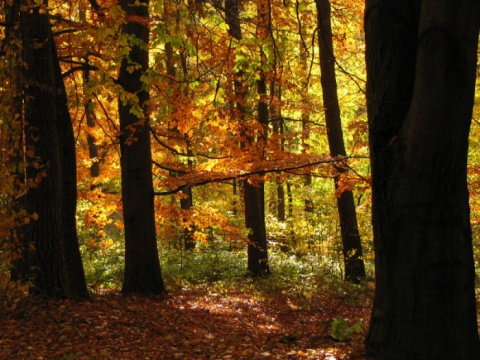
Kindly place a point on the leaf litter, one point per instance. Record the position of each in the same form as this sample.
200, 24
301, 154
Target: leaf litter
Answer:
203, 322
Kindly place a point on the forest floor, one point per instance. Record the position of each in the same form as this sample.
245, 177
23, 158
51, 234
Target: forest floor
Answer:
236, 320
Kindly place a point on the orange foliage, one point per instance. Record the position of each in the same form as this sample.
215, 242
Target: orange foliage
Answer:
196, 130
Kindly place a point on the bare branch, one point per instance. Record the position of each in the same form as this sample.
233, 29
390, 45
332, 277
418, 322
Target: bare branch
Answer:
78, 68
176, 152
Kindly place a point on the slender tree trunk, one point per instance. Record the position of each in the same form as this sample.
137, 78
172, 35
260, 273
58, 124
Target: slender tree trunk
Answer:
254, 198
421, 63
293, 239
90, 115
352, 247
234, 197
186, 203
142, 266
309, 207
281, 214
277, 127
91, 141
254, 195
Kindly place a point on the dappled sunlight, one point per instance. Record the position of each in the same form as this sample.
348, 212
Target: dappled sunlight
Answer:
203, 322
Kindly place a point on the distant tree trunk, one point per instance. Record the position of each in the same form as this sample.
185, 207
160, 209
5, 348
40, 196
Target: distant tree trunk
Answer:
142, 266
309, 207
237, 108
255, 222
293, 239
90, 116
308, 202
352, 247
290, 199
253, 195
186, 203
277, 127
421, 62
281, 214
234, 197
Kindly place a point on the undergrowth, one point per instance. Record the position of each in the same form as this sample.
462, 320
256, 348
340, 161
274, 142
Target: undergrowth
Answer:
223, 269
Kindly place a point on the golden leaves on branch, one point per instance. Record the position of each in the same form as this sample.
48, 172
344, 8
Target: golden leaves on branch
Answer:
224, 170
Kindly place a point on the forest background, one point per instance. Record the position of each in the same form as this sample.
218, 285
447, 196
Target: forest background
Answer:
208, 88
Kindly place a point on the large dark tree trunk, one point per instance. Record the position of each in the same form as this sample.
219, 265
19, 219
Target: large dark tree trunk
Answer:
352, 247
44, 171
76, 283
55, 263
421, 61
142, 265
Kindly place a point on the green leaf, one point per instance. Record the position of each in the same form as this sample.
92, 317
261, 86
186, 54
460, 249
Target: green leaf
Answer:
192, 85
340, 329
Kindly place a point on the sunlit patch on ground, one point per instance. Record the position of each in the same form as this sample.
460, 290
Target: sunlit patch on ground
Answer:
188, 324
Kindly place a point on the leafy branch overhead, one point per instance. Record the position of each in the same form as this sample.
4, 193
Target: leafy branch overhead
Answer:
208, 173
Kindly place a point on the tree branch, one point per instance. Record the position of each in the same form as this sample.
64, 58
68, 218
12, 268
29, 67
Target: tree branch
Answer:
78, 68
211, 177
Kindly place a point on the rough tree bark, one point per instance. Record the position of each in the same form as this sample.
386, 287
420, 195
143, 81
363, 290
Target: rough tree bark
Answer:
352, 247
51, 173
142, 265
76, 284
12, 94
421, 62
